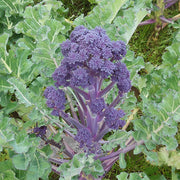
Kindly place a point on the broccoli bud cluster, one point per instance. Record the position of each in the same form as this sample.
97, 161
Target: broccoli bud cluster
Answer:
90, 54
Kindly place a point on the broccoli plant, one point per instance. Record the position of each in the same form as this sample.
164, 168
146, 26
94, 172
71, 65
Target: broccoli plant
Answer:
91, 60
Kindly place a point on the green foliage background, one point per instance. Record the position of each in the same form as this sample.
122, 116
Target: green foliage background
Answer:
30, 37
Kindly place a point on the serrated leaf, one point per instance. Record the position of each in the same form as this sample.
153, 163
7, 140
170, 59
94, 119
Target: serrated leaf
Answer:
134, 65
45, 51
21, 91
170, 142
22, 146
138, 149
150, 145
4, 85
151, 156
170, 107
4, 62
119, 137
21, 161
6, 165
171, 56
38, 167
26, 43
128, 22
8, 175
141, 83
6, 134
19, 62
14, 7
34, 19
81, 162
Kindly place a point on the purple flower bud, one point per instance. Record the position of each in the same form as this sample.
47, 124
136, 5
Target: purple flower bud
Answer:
84, 137
118, 49
80, 77
112, 118
97, 105
55, 99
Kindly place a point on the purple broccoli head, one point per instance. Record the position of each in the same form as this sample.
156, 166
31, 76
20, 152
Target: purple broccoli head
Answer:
84, 137
112, 118
90, 58
55, 99
91, 54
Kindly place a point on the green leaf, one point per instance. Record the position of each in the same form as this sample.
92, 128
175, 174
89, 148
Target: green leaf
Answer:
138, 149
20, 64
171, 56
170, 107
21, 161
118, 138
132, 176
6, 165
170, 158
14, 7
134, 65
4, 85
138, 176
150, 145
26, 43
122, 161
141, 83
128, 22
34, 19
45, 51
123, 176
22, 146
170, 142
81, 162
103, 13
4, 62
38, 167
6, 134
8, 175
47, 150
21, 91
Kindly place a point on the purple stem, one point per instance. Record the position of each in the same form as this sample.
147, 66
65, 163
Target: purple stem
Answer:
116, 101
80, 91
70, 120
107, 164
170, 3
149, 21
54, 168
98, 85
81, 115
102, 133
89, 121
68, 150
107, 89
104, 130
125, 150
83, 105
94, 126
162, 18
57, 161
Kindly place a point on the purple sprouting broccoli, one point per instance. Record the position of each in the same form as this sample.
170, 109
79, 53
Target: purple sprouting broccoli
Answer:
90, 57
